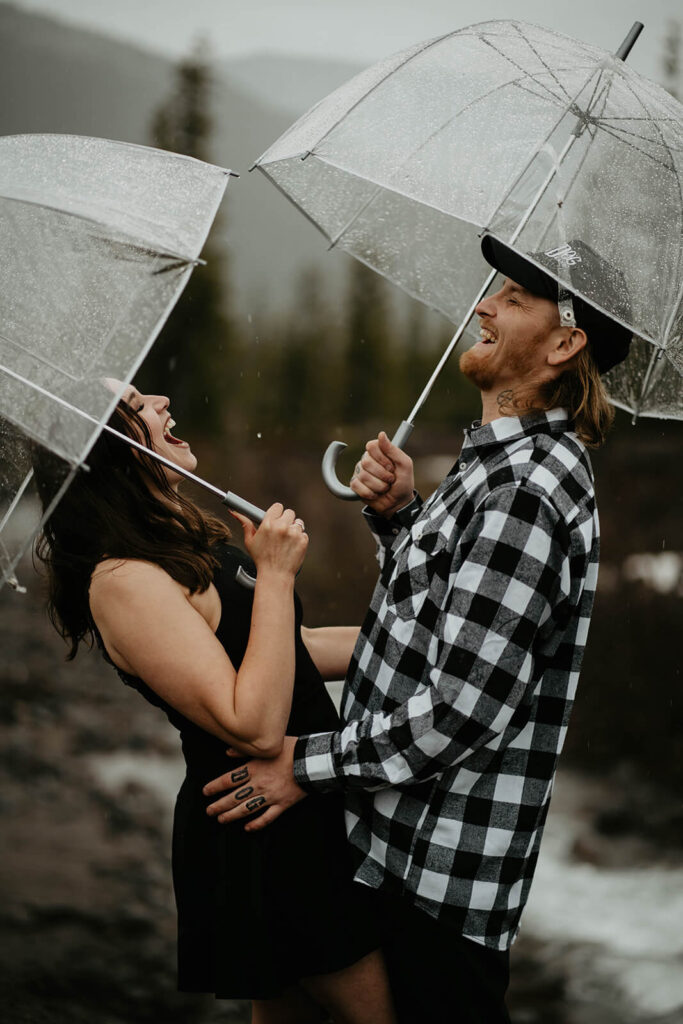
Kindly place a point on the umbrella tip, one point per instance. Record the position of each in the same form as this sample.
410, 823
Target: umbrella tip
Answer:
627, 45
15, 584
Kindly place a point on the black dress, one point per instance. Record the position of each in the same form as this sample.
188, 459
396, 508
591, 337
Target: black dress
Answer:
257, 911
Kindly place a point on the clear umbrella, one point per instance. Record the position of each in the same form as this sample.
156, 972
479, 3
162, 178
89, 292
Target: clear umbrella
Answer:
519, 131
99, 239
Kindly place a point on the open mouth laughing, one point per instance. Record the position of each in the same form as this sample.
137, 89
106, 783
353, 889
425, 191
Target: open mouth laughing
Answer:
168, 436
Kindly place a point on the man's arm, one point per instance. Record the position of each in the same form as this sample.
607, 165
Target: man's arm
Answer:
511, 577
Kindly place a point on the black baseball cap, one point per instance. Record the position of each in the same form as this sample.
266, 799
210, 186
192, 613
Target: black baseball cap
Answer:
609, 341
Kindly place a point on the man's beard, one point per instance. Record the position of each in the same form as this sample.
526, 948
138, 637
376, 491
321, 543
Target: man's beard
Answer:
479, 371
519, 364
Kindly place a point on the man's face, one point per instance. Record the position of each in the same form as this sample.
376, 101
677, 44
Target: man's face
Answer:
517, 333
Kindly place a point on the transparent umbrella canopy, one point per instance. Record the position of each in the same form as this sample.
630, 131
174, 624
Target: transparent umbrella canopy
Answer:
99, 240
513, 129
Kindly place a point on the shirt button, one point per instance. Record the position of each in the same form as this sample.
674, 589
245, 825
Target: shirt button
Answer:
395, 531
463, 466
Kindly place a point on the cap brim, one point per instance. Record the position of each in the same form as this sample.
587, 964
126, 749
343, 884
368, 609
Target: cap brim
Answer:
510, 263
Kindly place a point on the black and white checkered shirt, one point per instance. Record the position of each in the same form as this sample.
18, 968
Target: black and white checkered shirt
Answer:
460, 688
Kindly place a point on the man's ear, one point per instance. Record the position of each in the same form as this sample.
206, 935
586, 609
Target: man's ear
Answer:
569, 344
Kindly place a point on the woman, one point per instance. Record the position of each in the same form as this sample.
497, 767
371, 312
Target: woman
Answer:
270, 915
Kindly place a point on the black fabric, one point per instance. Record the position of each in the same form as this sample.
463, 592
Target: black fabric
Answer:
257, 911
437, 976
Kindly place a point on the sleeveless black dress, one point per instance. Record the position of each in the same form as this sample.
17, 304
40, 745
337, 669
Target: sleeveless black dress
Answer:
257, 911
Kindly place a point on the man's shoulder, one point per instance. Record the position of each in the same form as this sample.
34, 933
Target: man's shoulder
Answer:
556, 466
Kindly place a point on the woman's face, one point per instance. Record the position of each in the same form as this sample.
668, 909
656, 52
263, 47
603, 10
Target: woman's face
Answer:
153, 409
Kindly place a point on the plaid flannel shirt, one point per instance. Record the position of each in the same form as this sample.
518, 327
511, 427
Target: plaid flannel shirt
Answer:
460, 687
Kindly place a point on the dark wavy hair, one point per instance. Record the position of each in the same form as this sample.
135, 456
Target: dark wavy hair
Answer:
110, 511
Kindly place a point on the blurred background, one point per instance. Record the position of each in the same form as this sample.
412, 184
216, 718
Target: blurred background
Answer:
275, 349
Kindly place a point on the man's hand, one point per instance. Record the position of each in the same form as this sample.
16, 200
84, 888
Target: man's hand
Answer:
255, 785
384, 477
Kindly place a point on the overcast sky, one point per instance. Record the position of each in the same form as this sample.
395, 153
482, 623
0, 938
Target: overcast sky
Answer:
359, 31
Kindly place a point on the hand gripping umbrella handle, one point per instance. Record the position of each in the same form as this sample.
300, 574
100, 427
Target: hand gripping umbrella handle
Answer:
256, 515
333, 452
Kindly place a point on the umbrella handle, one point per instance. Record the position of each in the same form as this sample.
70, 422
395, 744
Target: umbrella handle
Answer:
256, 515
335, 449
246, 508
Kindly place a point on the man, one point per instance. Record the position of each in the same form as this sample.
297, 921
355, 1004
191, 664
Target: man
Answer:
459, 690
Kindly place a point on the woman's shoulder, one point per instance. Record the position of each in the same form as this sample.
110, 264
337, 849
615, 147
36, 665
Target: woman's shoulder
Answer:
120, 574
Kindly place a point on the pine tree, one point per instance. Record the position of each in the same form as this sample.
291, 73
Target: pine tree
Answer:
671, 60
368, 347
305, 356
193, 358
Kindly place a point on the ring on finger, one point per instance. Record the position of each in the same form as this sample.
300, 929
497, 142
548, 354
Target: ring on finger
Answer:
300, 522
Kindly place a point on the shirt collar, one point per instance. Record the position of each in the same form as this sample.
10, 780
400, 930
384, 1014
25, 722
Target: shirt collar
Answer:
507, 429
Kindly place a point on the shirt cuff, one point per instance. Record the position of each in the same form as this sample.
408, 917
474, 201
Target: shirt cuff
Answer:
387, 529
315, 763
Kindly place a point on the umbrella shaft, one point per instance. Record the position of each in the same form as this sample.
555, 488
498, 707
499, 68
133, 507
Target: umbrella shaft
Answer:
164, 461
451, 345
484, 288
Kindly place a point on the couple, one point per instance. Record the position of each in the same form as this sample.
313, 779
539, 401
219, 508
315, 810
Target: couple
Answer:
458, 685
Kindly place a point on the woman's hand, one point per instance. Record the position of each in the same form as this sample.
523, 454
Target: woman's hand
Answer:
384, 477
280, 542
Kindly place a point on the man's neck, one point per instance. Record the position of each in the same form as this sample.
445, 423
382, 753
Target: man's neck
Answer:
508, 402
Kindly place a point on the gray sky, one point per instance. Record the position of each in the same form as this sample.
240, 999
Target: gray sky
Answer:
360, 31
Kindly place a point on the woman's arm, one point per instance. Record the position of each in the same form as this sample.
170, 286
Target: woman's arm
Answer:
151, 629
331, 648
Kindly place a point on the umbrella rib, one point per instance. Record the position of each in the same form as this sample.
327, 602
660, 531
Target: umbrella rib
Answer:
614, 128
425, 142
654, 121
604, 96
648, 382
417, 53
16, 499
539, 147
487, 42
294, 203
625, 142
674, 311
130, 241
539, 58
39, 358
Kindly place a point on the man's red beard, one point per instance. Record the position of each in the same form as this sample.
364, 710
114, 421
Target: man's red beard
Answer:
519, 363
479, 371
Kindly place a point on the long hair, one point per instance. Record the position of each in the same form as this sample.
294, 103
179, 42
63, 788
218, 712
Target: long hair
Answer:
581, 392
110, 511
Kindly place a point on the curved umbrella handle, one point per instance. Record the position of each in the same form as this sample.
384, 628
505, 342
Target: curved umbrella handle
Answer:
333, 452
